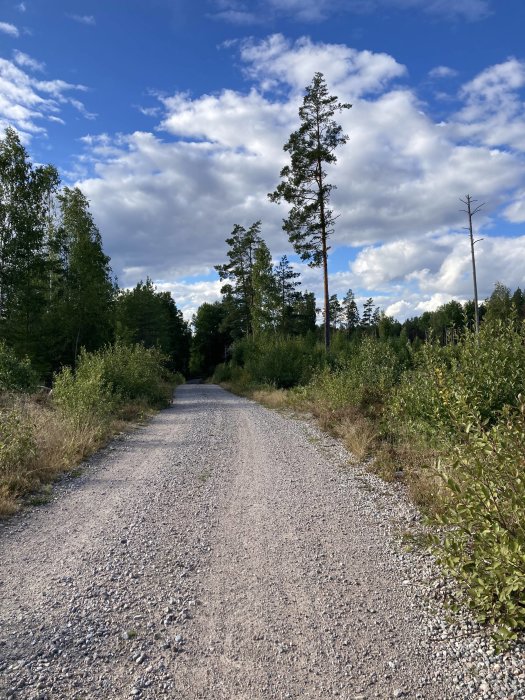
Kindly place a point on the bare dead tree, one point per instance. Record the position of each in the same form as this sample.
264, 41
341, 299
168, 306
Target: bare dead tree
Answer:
470, 211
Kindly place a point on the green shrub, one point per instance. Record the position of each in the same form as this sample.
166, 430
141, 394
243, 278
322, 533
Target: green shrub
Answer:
484, 544
15, 374
481, 373
282, 362
109, 378
222, 373
134, 372
363, 379
85, 397
17, 445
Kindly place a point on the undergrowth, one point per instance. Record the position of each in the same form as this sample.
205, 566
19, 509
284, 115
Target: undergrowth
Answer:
41, 437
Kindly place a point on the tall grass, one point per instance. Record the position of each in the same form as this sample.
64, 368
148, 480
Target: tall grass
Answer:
41, 437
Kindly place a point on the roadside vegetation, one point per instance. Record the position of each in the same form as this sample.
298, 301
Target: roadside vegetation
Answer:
79, 358
44, 434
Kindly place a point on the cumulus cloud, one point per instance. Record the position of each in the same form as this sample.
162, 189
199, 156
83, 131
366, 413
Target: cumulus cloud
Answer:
26, 101
190, 293
431, 271
166, 204
278, 61
494, 106
515, 212
7, 28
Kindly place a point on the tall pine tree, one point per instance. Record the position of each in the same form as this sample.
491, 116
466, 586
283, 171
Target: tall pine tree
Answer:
312, 147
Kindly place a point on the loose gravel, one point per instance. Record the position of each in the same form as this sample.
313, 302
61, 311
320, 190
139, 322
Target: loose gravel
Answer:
227, 552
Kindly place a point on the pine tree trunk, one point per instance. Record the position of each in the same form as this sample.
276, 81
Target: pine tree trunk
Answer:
326, 295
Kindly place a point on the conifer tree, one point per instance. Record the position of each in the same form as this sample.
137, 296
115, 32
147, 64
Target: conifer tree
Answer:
265, 292
335, 311
368, 312
287, 284
239, 292
88, 287
312, 147
144, 315
350, 312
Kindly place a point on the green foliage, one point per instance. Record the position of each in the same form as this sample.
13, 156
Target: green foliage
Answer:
210, 341
149, 317
108, 378
480, 373
303, 183
84, 397
17, 445
15, 374
26, 194
237, 377
238, 273
134, 372
279, 361
364, 378
499, 304
83, 293
484, 541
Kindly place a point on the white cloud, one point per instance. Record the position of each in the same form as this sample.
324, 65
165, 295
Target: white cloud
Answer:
190, 294
471, 10
278, 61
80, 107
432, 271
21, 7
442, 72
494, 108
515, 212
89, 20
26, 101
25, 61
7, 28
306, 10
240, 17
165, 208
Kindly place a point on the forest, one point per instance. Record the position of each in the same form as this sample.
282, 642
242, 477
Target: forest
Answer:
434, 403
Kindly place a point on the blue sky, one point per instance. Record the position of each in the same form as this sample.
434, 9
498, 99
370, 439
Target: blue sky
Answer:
171, 116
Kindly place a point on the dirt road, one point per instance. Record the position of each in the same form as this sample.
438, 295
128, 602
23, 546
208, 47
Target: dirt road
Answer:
221, 552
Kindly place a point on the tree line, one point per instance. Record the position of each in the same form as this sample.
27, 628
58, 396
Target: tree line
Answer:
57, 290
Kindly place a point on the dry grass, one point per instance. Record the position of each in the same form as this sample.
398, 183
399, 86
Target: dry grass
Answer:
414, 466
272, 398
359, 436
57, 446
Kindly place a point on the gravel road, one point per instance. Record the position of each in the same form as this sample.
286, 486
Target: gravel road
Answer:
223, 552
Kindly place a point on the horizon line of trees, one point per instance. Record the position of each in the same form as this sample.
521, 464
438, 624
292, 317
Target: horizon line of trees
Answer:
261, 299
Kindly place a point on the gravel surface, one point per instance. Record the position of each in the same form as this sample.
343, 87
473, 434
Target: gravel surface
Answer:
227, 552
